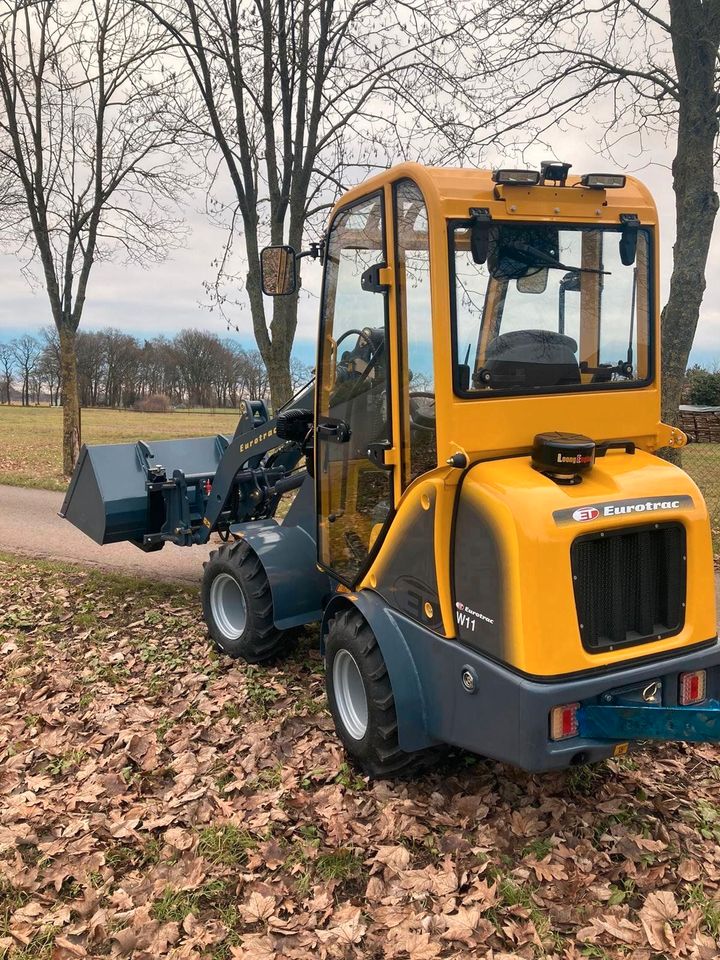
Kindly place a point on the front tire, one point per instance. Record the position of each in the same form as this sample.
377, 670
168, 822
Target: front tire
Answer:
361, 699
237, 605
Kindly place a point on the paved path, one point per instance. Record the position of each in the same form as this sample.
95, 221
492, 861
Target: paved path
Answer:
29, 524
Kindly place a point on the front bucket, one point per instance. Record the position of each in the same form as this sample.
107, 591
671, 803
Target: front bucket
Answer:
107, 497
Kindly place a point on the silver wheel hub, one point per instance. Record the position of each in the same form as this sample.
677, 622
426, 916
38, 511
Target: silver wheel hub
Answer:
350, 695
228, 606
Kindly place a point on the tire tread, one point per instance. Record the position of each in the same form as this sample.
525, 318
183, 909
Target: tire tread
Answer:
264, 641
379, 754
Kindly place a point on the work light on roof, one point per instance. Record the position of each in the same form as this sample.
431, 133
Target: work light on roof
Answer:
516, 177
603, 181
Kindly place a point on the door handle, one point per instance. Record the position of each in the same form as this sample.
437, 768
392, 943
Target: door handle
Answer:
376, 453
338, 431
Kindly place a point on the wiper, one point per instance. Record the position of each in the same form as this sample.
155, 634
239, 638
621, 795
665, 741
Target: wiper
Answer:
534, 257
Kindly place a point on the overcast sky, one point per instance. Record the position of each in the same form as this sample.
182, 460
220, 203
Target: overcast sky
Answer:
168, 297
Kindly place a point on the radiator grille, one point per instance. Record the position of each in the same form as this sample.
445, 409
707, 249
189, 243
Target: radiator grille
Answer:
629, 585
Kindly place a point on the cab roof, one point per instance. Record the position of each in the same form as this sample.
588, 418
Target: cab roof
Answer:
451, 192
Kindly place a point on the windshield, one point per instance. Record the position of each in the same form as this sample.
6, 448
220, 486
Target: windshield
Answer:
544, 308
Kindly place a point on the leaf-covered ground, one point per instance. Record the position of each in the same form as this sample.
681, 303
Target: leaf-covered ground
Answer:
157, 800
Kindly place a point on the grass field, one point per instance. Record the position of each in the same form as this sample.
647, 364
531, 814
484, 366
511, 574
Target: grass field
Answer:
702, 462
30, 454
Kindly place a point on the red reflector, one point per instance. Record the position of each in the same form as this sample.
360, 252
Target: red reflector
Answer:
564, 722
692, 687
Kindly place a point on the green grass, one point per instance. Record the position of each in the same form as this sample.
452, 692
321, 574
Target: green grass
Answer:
342, 864
709, 908
702, 462
31, 453
174, 905
226, 845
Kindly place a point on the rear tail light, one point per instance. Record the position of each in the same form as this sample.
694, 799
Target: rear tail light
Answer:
564, 721
692, 687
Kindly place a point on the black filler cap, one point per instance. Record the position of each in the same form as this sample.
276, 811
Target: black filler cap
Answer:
563, 457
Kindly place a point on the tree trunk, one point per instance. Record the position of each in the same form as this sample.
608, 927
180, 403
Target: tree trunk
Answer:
277, 354
695, 46
71, 405
278, 368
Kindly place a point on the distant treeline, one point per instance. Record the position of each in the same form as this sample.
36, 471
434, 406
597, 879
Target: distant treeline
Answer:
702, 387
194, 368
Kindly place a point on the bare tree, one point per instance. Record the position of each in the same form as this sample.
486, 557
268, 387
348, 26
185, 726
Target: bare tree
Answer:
7, 369
298, 98
91, 367
88, 164
197, 356
50, 363
26, 351
654, 65
121, 355
115, 369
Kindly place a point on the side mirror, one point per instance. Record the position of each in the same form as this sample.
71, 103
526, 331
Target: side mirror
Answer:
278, 271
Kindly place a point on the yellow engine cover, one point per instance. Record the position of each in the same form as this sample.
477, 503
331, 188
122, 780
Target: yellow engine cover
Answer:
513, 574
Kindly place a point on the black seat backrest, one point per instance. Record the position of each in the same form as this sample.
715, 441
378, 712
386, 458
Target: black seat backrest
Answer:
532, 358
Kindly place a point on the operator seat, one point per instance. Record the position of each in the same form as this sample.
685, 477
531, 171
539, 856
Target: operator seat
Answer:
531, 358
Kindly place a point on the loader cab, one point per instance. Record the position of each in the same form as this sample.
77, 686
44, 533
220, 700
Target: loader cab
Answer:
451, 329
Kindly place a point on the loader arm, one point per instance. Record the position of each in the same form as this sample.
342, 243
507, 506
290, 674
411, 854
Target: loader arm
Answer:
181, 491
249, 447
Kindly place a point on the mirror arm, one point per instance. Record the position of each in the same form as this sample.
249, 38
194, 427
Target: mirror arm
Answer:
316, 251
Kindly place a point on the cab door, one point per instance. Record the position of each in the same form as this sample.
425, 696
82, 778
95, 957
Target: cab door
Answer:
353, 442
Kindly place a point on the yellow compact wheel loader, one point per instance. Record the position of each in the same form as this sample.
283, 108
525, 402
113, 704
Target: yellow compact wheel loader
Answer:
497, 556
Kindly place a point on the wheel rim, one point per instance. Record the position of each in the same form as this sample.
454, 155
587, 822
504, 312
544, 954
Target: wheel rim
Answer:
228, 606
350, 695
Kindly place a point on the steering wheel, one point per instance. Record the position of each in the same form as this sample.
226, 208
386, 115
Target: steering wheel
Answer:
422, 415
358, 333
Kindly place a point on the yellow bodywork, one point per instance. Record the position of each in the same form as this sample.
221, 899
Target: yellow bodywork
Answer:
497, 433
543, 637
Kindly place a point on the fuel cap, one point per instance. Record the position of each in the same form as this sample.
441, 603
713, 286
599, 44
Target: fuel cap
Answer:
563, 456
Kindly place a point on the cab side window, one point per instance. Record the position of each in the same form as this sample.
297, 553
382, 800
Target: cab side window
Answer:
412, 254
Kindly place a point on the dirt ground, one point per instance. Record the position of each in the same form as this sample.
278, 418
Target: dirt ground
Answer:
157, 800
30, 526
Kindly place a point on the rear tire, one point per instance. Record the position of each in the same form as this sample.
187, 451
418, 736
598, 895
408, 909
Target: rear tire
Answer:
361, 699
237, 605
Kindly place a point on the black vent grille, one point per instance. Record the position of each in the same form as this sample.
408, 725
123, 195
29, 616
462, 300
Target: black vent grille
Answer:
629, 585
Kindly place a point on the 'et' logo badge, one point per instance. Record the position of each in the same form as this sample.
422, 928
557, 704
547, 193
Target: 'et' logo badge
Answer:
583, 514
